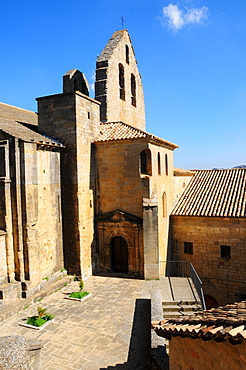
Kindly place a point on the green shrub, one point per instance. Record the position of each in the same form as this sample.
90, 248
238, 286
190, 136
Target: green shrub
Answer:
79, 295
41, 319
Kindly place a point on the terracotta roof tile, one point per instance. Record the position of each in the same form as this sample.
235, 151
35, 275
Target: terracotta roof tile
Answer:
227, 322
112, 131
214, 193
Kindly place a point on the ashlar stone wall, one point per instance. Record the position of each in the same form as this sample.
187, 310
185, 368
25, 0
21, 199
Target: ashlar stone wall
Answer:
73, 119
223, 278
41, 213
30, 206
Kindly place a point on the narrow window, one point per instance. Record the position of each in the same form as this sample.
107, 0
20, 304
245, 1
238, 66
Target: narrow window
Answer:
159, 163
133, 90
166, 164
145, 162
2, 162
127, 54
188, 248
225, 252
89, 115
122, 82
164, 205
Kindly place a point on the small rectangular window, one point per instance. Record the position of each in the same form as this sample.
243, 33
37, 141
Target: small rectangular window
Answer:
188, 248
225, 252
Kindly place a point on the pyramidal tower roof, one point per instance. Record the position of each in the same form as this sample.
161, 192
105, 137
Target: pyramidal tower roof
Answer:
111, 45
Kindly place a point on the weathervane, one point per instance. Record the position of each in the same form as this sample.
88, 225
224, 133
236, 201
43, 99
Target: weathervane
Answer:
122, 22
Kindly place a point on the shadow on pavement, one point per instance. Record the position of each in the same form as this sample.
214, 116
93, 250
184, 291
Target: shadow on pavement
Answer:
139, 353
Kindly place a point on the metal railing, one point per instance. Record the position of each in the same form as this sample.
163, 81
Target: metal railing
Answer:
183, 269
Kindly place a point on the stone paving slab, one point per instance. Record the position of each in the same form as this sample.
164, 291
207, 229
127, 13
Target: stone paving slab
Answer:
93, 334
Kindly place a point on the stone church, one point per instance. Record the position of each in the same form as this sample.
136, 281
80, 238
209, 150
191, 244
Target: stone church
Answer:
83, 186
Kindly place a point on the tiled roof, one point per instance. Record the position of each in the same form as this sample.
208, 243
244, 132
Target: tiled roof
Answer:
13, 122
227, 322
121, 131
214, 193
18, 114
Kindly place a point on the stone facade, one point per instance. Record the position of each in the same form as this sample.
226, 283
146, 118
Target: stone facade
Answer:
223, 277
122, 186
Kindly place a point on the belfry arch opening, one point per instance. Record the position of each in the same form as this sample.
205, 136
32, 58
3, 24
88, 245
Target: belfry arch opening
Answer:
122, 82
119, 254
133, 90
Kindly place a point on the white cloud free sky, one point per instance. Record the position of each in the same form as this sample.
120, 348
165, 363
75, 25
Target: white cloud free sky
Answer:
176, 18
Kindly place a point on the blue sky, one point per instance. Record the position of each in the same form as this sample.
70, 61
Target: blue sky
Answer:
191, 55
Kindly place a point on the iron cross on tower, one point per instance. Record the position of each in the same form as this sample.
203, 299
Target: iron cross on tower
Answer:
122, 22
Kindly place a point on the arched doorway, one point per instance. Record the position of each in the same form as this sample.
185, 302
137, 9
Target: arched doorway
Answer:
119, 254
210, 301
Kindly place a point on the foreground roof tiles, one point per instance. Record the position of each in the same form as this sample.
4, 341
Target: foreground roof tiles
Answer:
227, 322
214, 193
121, 131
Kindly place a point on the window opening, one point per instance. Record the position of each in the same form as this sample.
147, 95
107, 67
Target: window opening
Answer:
225, 252
159, 163
145, 162
133, 90
164, 205
166, 164
89, 115
122, 82
188, 248
127, 54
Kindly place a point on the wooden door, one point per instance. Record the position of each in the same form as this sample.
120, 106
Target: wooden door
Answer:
119, 254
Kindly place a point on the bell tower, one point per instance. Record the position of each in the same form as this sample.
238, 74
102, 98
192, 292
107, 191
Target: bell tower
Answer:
118, 84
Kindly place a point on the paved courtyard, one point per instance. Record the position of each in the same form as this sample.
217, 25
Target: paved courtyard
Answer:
109, 328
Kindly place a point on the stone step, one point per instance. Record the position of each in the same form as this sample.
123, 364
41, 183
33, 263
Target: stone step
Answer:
183, 303
181, 308
14, 307
172, 314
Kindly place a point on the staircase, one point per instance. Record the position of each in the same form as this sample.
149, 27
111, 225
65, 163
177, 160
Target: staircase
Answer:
175, 309
185, 300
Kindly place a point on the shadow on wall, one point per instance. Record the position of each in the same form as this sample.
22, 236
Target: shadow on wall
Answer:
139, 354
